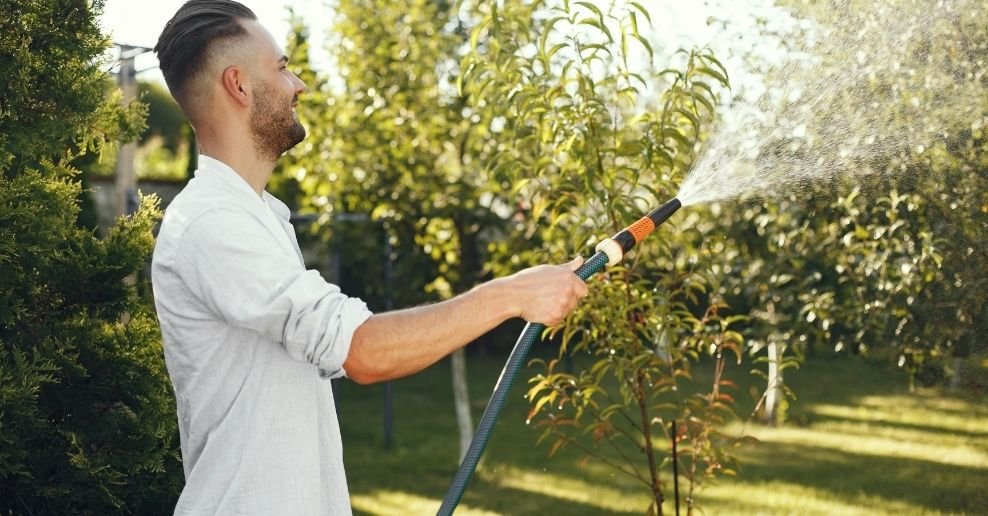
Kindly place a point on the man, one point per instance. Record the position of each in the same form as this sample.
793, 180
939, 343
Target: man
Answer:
252, 338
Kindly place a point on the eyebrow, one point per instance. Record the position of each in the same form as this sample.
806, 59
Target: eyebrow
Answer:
283, 60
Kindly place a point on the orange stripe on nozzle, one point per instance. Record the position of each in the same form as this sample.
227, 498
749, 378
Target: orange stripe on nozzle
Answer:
642, 228
624, 240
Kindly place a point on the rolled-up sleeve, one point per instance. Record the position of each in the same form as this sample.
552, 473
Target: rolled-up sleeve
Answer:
240, 273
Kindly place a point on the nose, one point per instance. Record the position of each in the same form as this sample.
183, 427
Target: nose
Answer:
299, 85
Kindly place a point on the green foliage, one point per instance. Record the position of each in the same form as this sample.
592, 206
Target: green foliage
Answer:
154, 160
86, 413
392, 141
53, 84
576, 140
165, 119
167, 146
88, 416
524, 160
589, 156
891, 261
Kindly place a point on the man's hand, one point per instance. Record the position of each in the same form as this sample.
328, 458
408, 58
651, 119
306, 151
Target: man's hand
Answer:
547, 293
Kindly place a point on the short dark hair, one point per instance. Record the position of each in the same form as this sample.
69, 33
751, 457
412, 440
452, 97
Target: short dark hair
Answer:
184, 42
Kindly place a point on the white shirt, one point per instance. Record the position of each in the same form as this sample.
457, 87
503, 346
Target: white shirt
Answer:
251, 339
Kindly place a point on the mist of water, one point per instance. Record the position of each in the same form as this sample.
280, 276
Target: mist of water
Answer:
861, 93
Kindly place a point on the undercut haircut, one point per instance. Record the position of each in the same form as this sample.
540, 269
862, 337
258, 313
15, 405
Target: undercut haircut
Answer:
184, 44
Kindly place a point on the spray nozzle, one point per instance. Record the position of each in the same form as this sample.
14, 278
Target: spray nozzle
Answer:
615, 246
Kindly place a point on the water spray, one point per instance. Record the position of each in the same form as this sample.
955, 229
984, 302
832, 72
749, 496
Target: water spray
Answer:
609, 252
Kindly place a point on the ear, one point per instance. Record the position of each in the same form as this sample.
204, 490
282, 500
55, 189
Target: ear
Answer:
235, 85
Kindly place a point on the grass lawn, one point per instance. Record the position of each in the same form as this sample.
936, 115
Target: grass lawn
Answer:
859, 444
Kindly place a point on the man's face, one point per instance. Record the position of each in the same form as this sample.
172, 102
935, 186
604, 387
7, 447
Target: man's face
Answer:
274, 124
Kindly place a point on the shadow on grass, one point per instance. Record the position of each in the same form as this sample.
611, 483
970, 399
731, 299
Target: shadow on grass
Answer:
931, 485
516, 477
422, 460
502, 494
518, 501
818, 418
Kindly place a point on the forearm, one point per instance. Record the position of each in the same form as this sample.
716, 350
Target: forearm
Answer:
396, 344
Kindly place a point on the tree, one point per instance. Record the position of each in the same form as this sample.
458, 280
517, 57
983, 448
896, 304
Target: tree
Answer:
880, 251
578, 140
86, 413
588, 153
392, 139
168, 144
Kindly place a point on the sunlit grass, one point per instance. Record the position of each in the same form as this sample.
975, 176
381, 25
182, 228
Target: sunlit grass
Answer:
399, 503
859, 444
863, 439
950, 414
564, 487
792, 498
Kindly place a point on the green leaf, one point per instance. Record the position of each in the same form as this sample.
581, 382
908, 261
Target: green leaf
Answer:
556, 446
540, 403
555, 48
703, 100
642, 10
646, 44
547, 29
598, 25
594, 8
710, 57
679, 137
477, 31
706, 70
597, 47
689, 116
629, 148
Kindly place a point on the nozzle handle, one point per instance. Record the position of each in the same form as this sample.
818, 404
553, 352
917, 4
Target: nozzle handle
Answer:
627, 238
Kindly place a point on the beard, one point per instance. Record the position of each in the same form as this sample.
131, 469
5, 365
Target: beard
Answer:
273, 127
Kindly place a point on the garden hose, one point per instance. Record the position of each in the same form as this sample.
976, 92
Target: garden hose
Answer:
609, 252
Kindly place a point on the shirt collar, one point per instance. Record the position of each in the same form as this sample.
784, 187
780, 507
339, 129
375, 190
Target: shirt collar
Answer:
216, 168
279, 208
212, 167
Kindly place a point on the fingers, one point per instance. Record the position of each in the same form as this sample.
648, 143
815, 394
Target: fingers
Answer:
550, 293
568, 304
575, 263
579, 286
581, 289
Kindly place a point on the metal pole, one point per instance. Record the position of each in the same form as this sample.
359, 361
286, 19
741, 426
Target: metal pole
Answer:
126, 181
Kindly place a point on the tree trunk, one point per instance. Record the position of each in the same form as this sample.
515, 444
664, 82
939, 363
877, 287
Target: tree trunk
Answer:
657, 497
461, 400
469, 264
954, 384
773, 393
